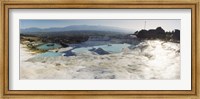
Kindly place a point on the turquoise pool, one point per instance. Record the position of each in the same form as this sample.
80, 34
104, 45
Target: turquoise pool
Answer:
48, 46
112, 48
49, 54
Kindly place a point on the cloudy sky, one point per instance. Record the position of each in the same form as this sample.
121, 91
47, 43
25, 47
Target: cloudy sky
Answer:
131, 24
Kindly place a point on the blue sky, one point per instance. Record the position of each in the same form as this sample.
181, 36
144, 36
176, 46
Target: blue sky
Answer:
131, 24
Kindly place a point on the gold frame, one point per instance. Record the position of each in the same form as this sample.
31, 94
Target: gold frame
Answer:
6, 5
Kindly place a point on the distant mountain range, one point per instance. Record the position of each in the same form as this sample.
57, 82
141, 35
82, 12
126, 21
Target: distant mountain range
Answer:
76, 28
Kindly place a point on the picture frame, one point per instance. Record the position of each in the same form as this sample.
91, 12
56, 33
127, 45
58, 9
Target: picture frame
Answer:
6, 5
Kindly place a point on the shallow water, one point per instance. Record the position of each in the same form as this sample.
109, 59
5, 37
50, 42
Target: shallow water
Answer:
49, 54
111, 48
48, 46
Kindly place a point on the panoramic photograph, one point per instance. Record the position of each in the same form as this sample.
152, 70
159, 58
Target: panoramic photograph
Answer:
122, 49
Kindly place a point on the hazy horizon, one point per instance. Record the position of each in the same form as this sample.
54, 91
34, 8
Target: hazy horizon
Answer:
129, 24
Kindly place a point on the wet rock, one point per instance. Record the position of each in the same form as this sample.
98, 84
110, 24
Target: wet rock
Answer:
100, 51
